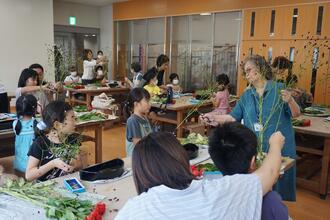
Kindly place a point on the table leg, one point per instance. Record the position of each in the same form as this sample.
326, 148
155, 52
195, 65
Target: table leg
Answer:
70, 98
179, 118
98, 144
88, 100
325, 168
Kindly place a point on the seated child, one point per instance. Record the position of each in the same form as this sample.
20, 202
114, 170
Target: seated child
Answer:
137, 76
24, 127
43, 164
73, 77
101, 77
221, 100
174, 79
151, 84
136, 108
233, 151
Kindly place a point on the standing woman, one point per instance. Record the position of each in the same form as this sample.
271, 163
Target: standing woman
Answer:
277, 107
89, 63
159, 69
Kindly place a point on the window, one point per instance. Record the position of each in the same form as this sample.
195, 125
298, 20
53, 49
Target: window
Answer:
314, 69
253, 17
291, 56
294, 21
272, 23
250, 51
319, 21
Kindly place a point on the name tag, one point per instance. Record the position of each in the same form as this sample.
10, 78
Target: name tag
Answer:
258, 127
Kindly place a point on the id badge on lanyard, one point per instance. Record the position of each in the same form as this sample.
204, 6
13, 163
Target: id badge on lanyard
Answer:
257, 127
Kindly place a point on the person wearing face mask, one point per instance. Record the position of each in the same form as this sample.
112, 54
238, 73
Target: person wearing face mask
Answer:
73, 77
151, 86
103, 60
101, 77
174, 79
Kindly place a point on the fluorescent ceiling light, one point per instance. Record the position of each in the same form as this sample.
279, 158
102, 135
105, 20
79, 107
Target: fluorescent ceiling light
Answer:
205, 13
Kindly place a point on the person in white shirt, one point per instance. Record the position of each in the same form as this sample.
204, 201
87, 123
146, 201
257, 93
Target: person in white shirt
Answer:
73, 77
168, 190
174, 79
137, 76
89, 63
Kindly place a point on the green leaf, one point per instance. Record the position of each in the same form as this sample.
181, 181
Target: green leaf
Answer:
9, 183
51, 212
21, 182
69, 215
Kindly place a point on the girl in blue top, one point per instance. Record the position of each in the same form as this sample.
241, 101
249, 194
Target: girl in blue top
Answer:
24, 128
271, 113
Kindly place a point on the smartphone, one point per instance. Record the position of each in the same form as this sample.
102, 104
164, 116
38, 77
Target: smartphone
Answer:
73, 185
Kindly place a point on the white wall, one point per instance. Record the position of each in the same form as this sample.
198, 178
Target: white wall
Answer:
106, 31
91, 43
86, 15
26, 30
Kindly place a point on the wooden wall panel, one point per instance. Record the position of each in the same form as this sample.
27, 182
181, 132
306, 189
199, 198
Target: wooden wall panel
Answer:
137, 9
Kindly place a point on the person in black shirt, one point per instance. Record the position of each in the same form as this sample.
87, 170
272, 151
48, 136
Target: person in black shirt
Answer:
159, 69
44, 163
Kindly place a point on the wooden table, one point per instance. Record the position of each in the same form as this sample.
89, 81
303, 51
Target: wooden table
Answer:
9, 136
92, 92
181, 108
319, 128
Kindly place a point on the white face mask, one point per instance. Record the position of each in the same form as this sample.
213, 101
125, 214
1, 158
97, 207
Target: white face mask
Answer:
99, 72
74, 73
156, 82
99, 56
175, 81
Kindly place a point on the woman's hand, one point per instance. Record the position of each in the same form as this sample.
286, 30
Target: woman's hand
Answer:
277, 140
294, 107
286, 96
208, 119
58, 163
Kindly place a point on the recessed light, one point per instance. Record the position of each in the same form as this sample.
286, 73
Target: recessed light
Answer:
94, 35
86, 35
205, 13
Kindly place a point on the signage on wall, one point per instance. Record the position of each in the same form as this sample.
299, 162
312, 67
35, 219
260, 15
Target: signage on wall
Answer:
72, 20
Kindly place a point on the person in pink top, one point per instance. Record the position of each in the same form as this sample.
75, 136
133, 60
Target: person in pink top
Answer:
221, 100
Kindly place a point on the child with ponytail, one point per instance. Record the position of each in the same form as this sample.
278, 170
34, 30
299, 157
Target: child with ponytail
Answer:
24, 127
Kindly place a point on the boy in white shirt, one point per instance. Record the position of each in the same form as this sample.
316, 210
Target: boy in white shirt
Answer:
73, 77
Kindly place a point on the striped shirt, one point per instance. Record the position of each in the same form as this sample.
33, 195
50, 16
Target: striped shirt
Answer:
230, 197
